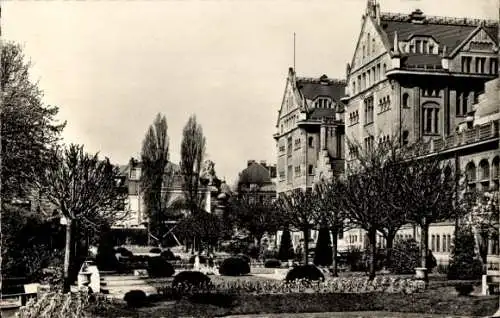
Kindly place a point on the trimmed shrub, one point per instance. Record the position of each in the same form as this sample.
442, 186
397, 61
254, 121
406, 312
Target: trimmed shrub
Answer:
191, 278
405, 257
309, 272
323, 254
272, 263
244, 257
158, 267
464, 264
286, 250
135, 298
155, 250
203, 259
234, 266
464, 289
124, 252
168, 255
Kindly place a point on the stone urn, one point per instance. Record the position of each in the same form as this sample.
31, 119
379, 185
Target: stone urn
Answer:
420, 272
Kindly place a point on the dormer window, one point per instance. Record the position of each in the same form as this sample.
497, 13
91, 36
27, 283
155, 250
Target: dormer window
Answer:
323, 102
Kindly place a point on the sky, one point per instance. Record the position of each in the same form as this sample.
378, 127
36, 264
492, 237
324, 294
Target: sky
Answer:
111, 66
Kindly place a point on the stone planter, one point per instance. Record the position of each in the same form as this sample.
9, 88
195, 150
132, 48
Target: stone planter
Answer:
420, 272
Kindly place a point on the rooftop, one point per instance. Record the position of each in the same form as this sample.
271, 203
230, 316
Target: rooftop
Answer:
322, 86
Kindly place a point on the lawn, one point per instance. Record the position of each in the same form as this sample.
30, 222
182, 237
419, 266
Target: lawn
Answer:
436, 301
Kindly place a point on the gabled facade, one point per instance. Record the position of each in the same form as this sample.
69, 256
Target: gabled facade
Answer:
310, 132
416, 77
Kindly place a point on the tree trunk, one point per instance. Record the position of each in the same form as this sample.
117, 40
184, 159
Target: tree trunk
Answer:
67, 254
306, 245
389, 247
372, 238
334, 252
424, 247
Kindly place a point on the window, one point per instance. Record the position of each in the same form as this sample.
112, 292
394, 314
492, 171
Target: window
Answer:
466, 64
289, 174
353, 151
433, 243
448, 246
412, 48
484, 170
385, 69
310, 141
425, 47
364, 51
431, 49
359, 84
444, 244
297, 171
369, 78
368, 105
480, 65
364, 81
406, 98
369, 143
378, 72
438, 241
353, 87
353, 117
373, 45
470, 172
418, 45
430, 118
289, 147
462, 103
310, 169
493, 65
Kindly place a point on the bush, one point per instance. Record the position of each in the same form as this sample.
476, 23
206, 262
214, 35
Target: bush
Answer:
234, 266
203, 259
464, 264
354, 258
464, 289
158, 267
309, 272
272, 263
106, 258
123, 252
135, 298
286, 250
191, 278
168, 255
323, 255
155, 250
405, 257
244, 257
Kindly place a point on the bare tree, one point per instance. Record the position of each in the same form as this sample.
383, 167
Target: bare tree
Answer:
154, 157
85, 191
297, 209
329, 212
192, 153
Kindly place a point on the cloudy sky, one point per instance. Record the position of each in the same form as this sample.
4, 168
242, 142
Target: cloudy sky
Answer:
111, 66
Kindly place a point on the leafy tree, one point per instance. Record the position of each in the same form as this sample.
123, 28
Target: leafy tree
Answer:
297, 209
484, 220
464, 263
85, 191
405, 257
323, 253
286, 249
155, 175
331, 216
255, 214
28, 127
192, 153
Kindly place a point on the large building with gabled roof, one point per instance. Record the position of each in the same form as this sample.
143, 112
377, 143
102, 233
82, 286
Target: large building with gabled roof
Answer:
310, 131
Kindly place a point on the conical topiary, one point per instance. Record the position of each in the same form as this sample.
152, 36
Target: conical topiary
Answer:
464, 263
286, 250
323, 255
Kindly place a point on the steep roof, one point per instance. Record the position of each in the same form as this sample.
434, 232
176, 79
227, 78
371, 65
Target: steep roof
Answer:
318, 113
449, 32
422, 60
323, 86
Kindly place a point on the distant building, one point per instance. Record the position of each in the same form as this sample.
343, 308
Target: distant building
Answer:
258, 178
310, 132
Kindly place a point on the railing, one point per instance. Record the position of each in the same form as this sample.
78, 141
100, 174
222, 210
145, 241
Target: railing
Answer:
476, 134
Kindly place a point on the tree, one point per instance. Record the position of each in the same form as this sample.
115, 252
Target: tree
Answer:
431, 193
28, 127
192, 153
286, 249
154, 157
85, 191
323, 255
297, 209
484, 221
330, 214
464, 263
256, 215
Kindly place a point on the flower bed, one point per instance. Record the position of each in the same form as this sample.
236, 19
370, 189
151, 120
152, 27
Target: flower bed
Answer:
384, 284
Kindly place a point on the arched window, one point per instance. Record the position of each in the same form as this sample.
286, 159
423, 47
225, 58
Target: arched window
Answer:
373, 45
470, 172
484, 170
430, 118
406, 98
437, 243
310, 141
495, 167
